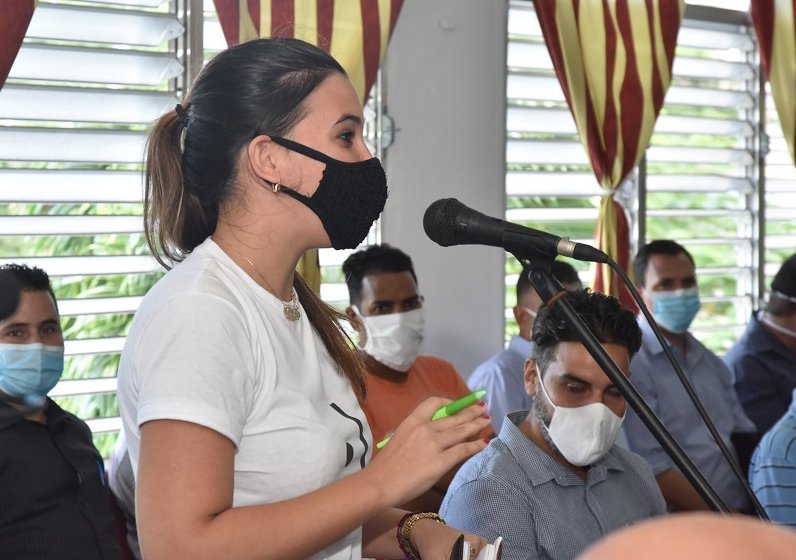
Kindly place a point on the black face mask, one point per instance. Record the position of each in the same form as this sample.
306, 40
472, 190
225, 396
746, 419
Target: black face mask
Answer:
349, 198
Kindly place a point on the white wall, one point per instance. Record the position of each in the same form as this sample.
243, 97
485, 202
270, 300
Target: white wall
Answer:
445, 88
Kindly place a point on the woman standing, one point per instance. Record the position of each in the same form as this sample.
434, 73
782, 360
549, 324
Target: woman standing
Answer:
237, 385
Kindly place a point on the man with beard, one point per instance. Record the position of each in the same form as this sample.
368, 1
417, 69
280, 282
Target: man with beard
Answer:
553, 482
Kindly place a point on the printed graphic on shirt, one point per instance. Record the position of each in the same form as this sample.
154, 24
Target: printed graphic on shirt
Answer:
350, 448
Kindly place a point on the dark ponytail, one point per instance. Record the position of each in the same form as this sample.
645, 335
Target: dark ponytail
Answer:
191, 158
175, 221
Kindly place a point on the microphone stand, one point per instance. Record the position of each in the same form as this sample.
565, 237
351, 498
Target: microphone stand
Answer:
552, 293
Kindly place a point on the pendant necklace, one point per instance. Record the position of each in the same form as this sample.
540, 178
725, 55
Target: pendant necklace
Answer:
291, 309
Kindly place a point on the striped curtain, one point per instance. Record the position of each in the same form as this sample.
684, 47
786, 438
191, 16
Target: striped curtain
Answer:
774, 24
613, 59
14, 21
355, 32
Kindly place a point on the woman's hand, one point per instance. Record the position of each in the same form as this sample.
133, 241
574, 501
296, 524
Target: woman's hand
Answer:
421, 451
434, 541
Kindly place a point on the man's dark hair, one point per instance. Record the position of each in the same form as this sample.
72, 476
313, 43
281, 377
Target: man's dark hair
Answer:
603, 315
30, 279
784, 283
562, 271
657, 247
565, 273
376, 259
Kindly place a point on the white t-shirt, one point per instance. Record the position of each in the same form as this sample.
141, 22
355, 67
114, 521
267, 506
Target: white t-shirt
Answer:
210, 346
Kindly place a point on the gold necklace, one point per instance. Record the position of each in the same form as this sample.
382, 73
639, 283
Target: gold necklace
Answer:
291, 308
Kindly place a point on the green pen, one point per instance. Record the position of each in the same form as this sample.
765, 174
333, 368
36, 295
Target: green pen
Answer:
448, 410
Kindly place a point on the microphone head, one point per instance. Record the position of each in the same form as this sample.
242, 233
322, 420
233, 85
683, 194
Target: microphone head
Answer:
439, 221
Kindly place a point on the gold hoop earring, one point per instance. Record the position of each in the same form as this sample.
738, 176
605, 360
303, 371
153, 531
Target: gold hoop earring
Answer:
276, 187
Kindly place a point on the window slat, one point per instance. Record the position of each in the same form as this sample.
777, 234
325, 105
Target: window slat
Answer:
90, 266
72, 387
94, 306
550, 214
560, 121
100, 66
545, 152
698, 184
526, 183
86, 346
49, 145
69, 225
83, 105
38, 185
104, 425
102, 25
698, 213
698, 155
711, 69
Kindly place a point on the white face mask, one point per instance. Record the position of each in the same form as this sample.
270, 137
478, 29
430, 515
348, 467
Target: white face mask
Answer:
530, 311
582, 434
394, 340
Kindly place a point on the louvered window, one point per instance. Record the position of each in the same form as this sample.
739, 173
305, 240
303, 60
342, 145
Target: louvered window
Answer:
74, 112
700, 182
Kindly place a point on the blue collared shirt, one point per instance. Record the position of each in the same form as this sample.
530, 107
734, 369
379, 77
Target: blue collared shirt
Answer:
502, 377
654, 377
542, 509
772, 473
764, 373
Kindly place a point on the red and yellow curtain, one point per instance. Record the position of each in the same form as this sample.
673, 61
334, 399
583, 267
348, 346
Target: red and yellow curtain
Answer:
613, 59
14, 20
355, 32
774, 24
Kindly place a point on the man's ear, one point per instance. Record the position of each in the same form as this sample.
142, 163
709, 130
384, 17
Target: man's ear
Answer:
355, 322
531, 376
645, 296
260, 152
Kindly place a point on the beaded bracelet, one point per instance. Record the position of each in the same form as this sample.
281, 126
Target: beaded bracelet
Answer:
405, 530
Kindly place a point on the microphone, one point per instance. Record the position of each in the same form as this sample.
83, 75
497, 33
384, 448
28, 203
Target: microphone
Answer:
449, 222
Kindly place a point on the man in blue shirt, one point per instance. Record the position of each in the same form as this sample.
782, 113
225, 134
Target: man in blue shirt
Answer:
666, 278
762, 360
772, 473
553, 482
501, 376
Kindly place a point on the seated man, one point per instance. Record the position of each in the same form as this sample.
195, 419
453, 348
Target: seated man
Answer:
54, 503
762, 360
553, 482
501, 376
666, 280
772, 473
387, 313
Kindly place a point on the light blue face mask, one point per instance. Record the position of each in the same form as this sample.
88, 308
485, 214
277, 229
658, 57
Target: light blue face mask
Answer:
675, 310
30, 371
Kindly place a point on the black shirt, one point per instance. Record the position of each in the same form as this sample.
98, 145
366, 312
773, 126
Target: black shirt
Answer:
53, 495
